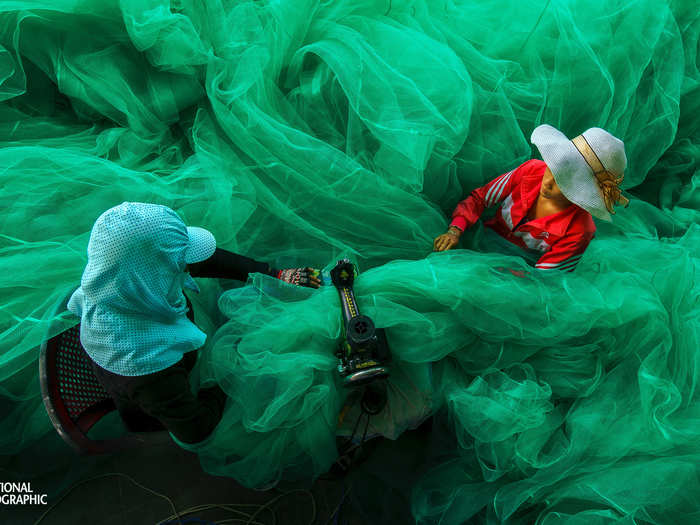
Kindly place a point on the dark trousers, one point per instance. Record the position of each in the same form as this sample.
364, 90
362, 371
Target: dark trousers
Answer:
164, 400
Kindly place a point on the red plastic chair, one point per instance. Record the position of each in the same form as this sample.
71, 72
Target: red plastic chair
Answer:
74, 399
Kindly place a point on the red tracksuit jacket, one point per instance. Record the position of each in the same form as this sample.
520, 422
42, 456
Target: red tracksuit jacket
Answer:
561, 238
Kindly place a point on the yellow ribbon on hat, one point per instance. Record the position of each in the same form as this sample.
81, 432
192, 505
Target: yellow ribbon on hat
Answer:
607, 181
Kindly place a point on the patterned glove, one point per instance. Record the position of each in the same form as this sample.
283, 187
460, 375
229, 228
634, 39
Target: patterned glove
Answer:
300, 276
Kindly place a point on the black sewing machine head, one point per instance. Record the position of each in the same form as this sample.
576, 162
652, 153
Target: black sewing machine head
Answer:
363, 352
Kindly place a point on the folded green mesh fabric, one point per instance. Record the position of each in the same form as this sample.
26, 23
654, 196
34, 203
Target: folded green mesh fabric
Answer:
299, 131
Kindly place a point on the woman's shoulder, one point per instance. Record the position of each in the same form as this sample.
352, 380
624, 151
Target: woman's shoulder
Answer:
531, 168
534, 165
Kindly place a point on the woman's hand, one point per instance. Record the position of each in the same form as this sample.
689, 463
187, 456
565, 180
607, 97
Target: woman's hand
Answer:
300, 276
448, 240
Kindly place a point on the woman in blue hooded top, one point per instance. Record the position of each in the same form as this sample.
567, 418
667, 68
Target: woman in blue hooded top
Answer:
133, 310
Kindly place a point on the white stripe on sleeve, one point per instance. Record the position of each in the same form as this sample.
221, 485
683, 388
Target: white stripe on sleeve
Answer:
502, 187
573, 260
497, 188
491, 190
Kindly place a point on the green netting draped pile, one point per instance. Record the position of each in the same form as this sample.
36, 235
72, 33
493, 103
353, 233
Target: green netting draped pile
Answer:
298, 131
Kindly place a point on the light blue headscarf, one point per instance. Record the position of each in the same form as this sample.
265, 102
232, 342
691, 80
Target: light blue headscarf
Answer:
130, 301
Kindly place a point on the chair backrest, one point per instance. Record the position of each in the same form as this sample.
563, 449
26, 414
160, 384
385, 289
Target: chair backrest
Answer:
74, 399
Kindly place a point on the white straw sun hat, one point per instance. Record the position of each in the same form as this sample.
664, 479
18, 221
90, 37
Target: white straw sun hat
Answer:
587, 168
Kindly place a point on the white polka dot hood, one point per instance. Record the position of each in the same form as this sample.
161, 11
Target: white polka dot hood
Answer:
130, 300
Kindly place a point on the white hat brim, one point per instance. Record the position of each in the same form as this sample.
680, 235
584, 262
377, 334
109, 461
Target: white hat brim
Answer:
572, 174
201, 245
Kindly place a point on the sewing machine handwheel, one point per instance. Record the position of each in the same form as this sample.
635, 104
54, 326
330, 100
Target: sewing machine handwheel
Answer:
360, 330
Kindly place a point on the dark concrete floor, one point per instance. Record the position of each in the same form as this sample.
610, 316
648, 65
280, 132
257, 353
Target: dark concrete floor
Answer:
377, 490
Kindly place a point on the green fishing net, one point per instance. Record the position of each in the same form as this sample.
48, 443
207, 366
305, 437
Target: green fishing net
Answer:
301, 131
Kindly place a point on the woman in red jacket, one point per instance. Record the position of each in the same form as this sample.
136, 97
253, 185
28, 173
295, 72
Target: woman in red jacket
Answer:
546, 206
